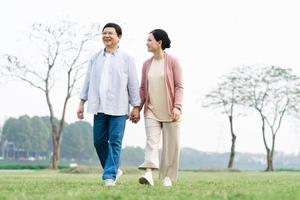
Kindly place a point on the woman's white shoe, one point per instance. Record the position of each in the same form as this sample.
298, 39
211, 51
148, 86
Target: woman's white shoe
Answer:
146, 179
167, 182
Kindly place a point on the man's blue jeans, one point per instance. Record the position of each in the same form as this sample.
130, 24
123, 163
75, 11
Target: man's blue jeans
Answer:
108, 135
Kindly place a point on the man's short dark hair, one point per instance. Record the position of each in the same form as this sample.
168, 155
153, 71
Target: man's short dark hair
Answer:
115, 26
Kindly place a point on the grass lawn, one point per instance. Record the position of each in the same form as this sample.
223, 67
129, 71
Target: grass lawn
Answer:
46, 184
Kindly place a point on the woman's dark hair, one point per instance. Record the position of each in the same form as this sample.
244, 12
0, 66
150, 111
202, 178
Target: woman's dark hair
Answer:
115, 26
162, 35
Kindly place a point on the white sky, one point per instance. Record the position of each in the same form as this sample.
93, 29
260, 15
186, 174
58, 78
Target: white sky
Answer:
208, 37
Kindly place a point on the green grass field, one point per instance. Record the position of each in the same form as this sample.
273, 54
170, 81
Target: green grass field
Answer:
46, 184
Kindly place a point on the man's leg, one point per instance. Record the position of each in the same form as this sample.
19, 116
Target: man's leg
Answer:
100, 132
115, 132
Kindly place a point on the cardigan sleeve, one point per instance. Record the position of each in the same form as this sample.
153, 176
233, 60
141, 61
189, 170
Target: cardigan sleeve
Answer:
143, 88
178, 84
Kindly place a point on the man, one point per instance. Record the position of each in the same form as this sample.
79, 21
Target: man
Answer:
110, 86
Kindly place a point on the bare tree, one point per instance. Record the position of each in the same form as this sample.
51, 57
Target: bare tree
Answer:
226, 97
272, 92
60, 59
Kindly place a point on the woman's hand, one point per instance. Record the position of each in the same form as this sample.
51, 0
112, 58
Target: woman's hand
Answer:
176, 114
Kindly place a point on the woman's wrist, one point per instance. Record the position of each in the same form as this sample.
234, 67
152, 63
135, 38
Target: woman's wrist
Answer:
178, 108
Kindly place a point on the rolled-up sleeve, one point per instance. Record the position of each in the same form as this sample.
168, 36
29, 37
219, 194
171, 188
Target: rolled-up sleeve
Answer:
133, 83
85, 89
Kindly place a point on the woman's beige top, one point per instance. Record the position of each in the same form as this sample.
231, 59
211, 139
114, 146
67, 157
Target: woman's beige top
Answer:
158, 106
173, 83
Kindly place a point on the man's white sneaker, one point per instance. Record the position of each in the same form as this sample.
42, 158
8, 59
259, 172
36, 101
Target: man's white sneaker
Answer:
119, 174
109, 183
146, 179
167, 182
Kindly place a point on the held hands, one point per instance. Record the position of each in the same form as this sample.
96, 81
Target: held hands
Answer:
176, 114
135, 115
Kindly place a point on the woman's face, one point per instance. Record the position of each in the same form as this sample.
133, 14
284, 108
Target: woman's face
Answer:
152, 44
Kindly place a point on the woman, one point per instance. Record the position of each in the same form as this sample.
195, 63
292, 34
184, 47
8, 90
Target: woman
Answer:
161, 94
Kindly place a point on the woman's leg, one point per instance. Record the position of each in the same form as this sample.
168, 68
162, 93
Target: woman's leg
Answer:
169, 162
153, 134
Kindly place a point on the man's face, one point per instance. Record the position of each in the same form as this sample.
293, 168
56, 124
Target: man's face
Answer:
110, 37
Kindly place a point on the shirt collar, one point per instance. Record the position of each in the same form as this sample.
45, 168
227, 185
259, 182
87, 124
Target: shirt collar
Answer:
113, 53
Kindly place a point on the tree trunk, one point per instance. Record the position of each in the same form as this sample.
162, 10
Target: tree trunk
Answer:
269, 161
271, 154
55, 152
3, 150
233, 139
53, 163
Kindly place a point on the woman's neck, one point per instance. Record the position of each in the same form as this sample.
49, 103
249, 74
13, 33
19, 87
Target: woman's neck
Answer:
159, 55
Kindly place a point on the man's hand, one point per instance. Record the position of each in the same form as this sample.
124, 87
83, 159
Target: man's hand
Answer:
80, 110
135, 115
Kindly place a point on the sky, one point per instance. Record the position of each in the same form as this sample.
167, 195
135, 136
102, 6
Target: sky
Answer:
209, 38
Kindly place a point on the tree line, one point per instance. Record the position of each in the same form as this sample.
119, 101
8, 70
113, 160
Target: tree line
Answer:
30, 137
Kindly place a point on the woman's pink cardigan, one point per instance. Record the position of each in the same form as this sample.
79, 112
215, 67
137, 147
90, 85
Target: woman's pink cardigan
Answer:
173, 81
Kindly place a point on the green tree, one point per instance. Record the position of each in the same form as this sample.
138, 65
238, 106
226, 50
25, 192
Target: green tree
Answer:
46, 121
39, 136
78, 141
27, 134
18, 131
132, 156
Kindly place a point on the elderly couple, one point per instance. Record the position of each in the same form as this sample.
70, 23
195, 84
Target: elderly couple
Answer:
111, 85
